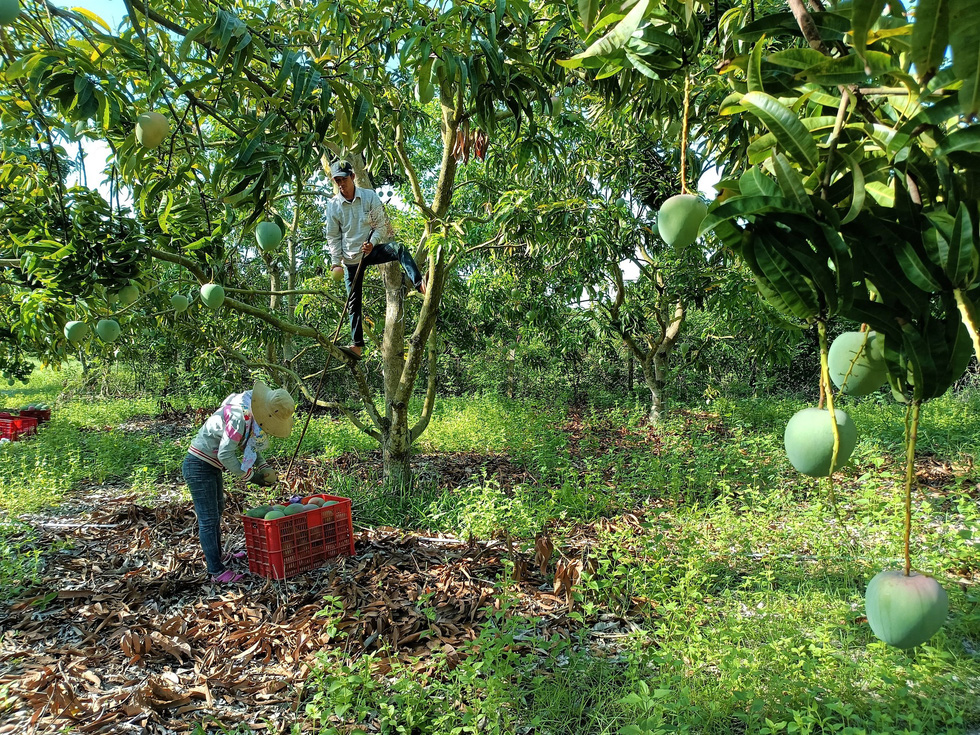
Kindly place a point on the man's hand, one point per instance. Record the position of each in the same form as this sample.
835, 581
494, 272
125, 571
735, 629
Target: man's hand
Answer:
367, 247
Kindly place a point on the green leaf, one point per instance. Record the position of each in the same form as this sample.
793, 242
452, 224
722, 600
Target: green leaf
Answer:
882, 193
243, 189
925, 374
876, 315
285, 70
426, 88
587, 12
755, 67
864, 14
760, 149
797, 58
790, 182
198, 244
783, 286
790, 133
92, 17
361, 109
852, 69
831, 26
745, 206
964, 35
965, 139
754, 183
616, 38
960, 354
962, 250
857, 194
930, 36
164, 216
916, 267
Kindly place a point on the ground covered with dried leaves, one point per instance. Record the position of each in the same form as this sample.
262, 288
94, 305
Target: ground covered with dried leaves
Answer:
613, 579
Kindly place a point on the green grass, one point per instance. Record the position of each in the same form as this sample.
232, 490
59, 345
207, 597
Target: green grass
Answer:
20, 562
746, 584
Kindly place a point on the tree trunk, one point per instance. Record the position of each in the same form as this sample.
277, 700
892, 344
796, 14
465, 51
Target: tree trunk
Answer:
396, 448
654, 377
657, 401
629, 371
270, 348
511, 372
288, 352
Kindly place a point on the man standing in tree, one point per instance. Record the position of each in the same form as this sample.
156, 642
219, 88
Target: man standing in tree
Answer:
356, 230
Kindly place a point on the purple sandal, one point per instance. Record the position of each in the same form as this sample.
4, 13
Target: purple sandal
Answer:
228, 576
230, 556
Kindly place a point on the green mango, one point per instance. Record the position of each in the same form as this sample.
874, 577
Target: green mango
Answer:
259, 511
857, 365
680, 218
809, 440
905, 611
213, 295
268, 236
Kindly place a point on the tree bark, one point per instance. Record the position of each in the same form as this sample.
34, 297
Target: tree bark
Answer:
270, 348
657, 388
288, 351
396, 446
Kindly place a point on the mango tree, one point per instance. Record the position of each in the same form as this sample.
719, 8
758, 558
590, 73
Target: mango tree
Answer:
255, 101
850, 144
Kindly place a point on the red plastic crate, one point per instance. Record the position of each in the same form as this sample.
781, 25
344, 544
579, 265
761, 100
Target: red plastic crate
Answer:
16, 428
284, 547
41, 415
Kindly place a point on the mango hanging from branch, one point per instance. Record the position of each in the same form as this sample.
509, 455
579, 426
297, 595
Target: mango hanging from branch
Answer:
151, 129
680, 218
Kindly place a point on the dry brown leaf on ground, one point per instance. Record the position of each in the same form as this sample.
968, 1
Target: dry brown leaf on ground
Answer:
543, 550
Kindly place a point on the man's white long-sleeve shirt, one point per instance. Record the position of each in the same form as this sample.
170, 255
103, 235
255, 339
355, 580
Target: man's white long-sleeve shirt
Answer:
349, 225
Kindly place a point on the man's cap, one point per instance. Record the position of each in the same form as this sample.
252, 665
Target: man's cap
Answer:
340, 169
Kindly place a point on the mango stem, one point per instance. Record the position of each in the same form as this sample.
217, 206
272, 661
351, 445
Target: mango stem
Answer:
969, 313
911, 434
684, 124
829, 392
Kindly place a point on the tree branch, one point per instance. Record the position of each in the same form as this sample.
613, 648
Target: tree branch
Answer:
192, 98
430, 391
417, 195
808, 27
812, 35
427, 320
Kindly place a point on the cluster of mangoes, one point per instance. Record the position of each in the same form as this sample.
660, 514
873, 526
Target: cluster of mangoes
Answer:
904, 609
272, 512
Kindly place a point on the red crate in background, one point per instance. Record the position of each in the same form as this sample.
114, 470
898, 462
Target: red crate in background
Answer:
16, 428
41, 414
284, 547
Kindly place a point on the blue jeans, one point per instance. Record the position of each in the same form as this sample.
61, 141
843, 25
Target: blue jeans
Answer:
207, 490
379, 254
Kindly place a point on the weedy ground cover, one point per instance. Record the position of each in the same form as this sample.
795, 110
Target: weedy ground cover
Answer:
736, 583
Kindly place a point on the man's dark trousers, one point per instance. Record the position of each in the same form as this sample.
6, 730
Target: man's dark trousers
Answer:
379, 254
